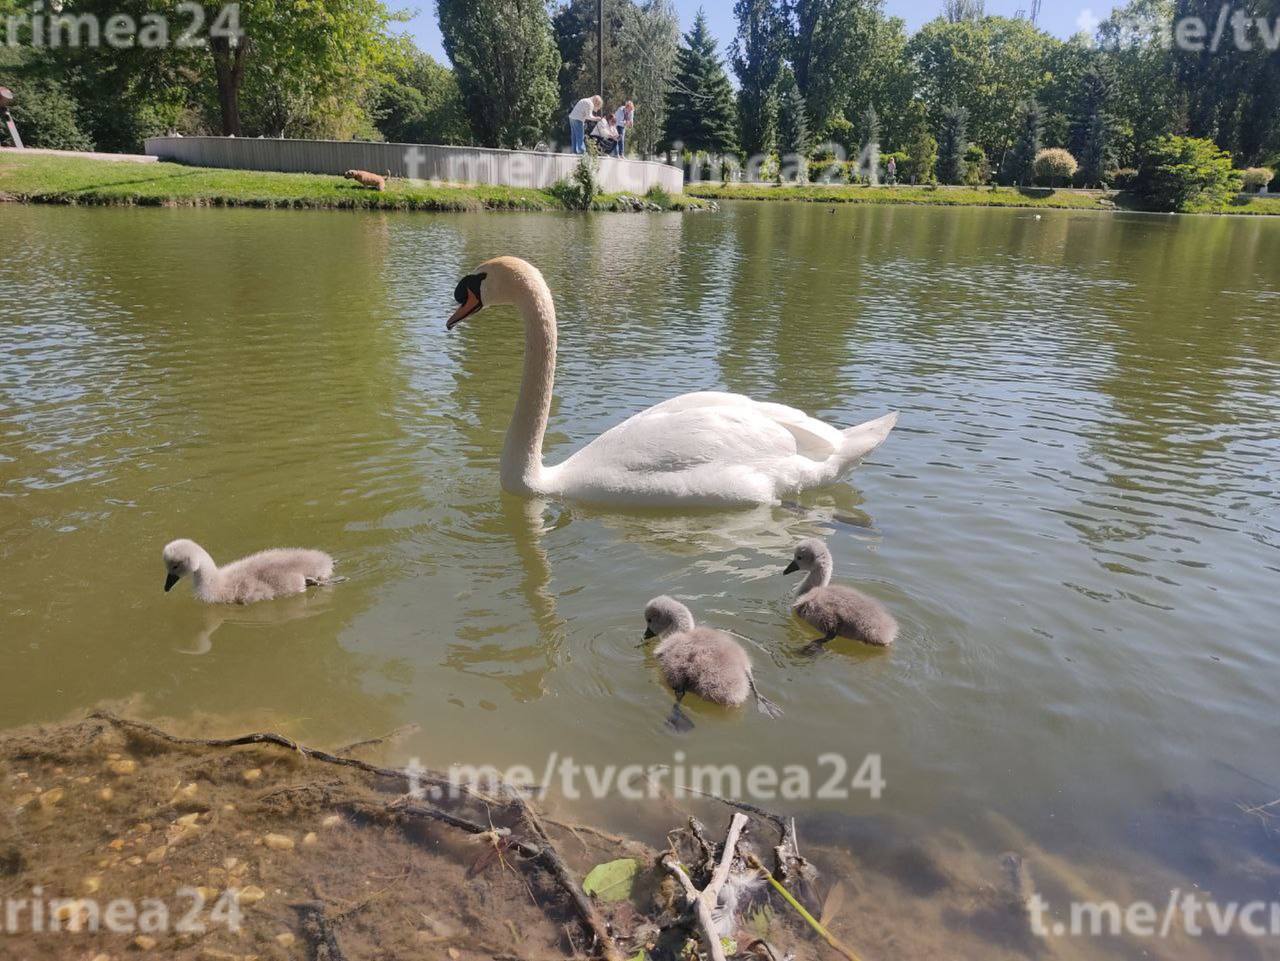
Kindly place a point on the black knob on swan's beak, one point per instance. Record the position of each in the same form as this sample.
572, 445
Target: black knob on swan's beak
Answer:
467, 294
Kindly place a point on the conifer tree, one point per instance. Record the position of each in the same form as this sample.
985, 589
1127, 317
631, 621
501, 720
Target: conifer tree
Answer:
1093, 127
953, 141
1020, 161
793, 118
701, 107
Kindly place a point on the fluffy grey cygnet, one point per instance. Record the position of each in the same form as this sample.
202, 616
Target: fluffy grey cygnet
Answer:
258, 577
700, 659
834, 610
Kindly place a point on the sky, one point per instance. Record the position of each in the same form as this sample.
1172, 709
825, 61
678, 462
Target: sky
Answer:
1058, 17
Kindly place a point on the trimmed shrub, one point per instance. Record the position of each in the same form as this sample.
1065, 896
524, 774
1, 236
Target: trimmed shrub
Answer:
1186, 173
922, 160
770, 170
976, 169
1255, 178
1123, 179
1055, 164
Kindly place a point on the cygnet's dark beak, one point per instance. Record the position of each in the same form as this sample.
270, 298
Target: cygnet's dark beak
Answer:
648, 634
170, 581
792, 568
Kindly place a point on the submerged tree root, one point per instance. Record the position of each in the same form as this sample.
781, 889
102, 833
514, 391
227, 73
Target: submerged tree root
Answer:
305, 840
319, 929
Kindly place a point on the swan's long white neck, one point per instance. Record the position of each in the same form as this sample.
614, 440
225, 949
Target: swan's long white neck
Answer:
522, 471
206, 577
819, 575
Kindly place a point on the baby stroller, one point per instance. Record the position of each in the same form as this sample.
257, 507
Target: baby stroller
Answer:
604, 139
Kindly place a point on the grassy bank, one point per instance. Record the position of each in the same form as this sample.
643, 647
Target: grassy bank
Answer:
954, 196
40, 178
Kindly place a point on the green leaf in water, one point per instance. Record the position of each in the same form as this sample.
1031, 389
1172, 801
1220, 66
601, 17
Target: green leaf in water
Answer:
612, 880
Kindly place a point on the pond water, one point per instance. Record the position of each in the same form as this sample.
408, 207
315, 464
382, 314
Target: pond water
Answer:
1076, 520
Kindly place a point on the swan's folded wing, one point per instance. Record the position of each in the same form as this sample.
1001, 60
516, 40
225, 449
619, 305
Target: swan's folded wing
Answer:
812, 438
666, 440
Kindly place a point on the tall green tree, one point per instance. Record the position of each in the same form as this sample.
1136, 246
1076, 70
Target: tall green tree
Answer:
507, 66
920, 144
988, 67
1067, 64
1093, 127
120, 95
1149, 102
1229, 87
953, 141
649, 40
829, 48
793, 121
959, 11
756, 56
304, 54
421, 103
701, 109
575, 30
885, 79
1019, 162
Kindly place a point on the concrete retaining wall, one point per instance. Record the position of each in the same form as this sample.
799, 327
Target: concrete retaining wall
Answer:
467, 165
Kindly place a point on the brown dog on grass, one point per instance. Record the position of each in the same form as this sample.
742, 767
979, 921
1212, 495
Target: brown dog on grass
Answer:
366, 179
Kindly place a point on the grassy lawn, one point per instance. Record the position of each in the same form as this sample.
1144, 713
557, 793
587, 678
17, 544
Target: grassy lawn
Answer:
952, 196
77, 180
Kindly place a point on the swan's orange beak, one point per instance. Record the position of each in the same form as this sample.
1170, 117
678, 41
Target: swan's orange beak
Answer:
465, 310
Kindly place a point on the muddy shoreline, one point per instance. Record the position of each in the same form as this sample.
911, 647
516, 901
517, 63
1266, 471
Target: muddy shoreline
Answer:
122, 839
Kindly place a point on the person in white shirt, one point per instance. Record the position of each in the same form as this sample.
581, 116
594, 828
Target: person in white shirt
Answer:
624, 118
584, 110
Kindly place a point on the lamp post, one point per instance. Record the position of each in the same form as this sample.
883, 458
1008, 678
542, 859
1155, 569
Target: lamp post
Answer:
6, 98
600, 47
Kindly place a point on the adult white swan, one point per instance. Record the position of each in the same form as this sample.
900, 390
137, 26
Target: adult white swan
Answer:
703, 449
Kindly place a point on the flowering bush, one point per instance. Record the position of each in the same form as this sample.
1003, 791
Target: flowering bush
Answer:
1255, 178
1054, 164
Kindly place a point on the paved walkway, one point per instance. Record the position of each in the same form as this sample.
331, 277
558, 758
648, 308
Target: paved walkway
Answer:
133, 158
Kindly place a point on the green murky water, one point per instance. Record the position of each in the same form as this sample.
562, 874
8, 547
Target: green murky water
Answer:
1076, 520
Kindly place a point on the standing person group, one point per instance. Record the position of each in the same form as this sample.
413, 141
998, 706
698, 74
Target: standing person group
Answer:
609, 131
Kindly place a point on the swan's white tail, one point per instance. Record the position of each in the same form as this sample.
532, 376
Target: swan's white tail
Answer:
861, 440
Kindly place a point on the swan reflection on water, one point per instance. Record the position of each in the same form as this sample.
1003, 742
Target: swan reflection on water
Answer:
256, 618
